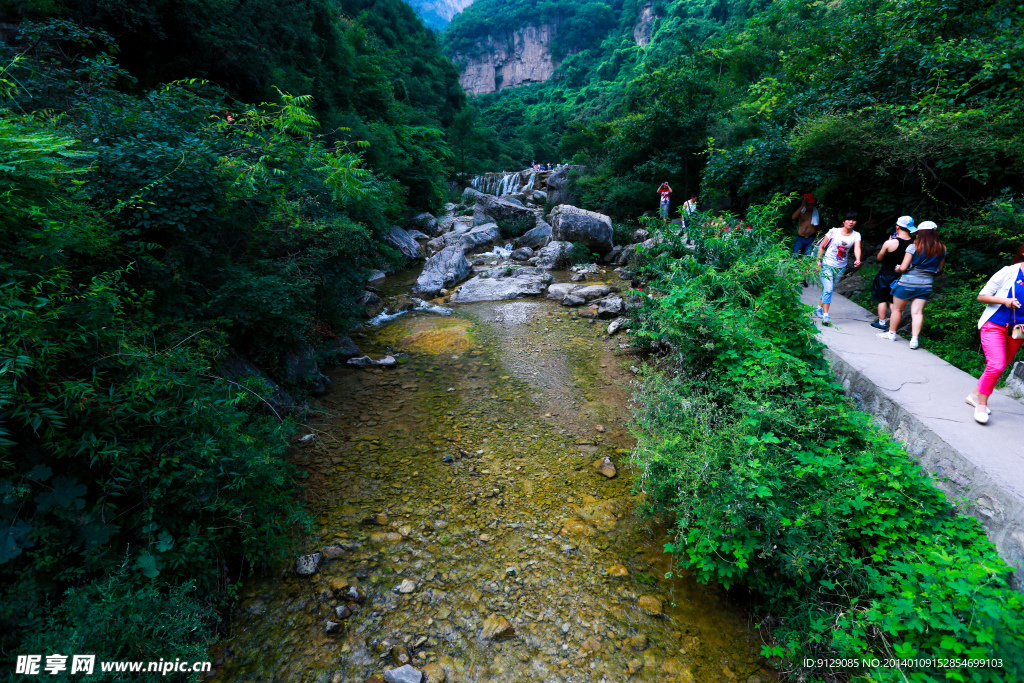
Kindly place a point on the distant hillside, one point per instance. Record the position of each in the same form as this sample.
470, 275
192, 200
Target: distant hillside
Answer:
437, 14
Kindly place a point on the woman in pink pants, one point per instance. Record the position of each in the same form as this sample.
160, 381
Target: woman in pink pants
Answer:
1003, 294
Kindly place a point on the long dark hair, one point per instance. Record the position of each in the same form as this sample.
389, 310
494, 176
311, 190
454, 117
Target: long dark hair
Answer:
928, 244
1019, 256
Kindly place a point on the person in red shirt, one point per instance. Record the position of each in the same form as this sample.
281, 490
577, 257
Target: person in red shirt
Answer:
664, 191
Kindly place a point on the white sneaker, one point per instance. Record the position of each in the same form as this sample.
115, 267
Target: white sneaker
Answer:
980, 416
914, 343
971, 402
891, 336
826, 320
819, 311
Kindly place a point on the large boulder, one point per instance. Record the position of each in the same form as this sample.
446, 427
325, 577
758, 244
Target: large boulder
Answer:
480, 238
571, 224
498, 284
469, 195
447, 239
536, 238
370, 304
403, 242
339, 350
522, 254
424, 222
299, 366
490, 209
443, 270
554, 255
539, 196
558, 185
236, 369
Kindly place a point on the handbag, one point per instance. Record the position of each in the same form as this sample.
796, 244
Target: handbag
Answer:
1018, 330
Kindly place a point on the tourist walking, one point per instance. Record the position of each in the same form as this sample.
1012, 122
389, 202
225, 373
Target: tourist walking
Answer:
922, 261
833, 254
664, 191
1003, 294
808, 219
890, 255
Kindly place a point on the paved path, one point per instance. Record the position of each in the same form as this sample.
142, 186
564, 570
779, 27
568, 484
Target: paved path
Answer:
919, 398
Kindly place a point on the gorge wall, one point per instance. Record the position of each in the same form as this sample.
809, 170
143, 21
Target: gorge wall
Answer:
519, 58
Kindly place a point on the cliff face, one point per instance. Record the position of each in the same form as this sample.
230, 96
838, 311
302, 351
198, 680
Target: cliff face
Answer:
644, 25
507, 61
438, 13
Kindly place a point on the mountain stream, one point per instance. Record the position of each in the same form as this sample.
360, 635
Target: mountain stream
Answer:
465, 525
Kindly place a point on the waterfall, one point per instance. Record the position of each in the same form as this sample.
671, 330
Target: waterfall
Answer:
529, 183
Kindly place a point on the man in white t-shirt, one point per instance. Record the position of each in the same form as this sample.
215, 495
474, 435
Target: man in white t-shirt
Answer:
833, 254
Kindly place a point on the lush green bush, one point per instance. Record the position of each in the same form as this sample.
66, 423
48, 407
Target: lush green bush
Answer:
778, 483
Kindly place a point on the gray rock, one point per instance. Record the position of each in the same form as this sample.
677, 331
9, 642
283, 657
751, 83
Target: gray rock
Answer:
339, 350
299, 367
448, 239
425, 222
627, 254
624, 274
498, 284
418, 236
522, 254
489, 209
535, 238
469, 195
332, 626
559, 290
406, 587
612, 255
443, 270
403, 242
515, 199
571, 224
540, 196
639, 236
237, 369
376, 275
611, 307
403, 674
555, 255
573, 300
307, 564
366, 361
558, 185
579, 277
480, 238
591, 292
370, 304
615, 325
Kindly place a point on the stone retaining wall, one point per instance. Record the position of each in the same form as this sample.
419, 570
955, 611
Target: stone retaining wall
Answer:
967, 487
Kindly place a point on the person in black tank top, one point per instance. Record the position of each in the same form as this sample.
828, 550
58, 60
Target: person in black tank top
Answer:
890, 256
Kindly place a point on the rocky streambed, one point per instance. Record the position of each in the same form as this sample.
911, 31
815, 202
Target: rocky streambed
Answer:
476, 521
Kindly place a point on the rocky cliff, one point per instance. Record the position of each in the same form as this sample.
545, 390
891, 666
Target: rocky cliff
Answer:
644, 25
437, 14
499, 62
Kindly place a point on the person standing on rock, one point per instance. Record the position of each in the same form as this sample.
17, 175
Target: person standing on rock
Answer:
833, 254
664, 191
1003, 294
890, 255
922, 261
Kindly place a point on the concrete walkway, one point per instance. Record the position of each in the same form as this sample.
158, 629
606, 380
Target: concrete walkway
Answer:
919, 398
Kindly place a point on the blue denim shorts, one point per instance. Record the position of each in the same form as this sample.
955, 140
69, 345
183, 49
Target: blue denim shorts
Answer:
908, 292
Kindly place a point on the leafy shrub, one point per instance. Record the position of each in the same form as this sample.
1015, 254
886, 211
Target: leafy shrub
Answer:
514, 227
778, 483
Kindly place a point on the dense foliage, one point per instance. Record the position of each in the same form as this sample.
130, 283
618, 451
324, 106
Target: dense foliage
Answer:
778, 483
147, 232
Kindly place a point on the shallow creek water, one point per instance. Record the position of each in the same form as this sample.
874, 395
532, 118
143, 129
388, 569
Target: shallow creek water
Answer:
523, 397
